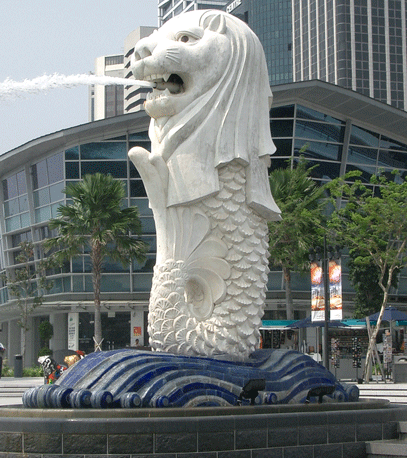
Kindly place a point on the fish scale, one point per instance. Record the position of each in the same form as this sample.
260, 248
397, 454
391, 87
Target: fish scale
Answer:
235, 320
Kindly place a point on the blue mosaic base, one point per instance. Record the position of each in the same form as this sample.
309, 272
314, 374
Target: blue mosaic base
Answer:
135, 378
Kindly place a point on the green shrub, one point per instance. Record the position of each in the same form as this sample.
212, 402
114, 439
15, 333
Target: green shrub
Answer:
35, 371
7, 371
44, 351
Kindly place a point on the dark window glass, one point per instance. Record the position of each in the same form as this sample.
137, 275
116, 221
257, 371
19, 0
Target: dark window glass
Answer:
148, 226
143, 144
309, 113
367, 172
318, 150
146, 266
319, 131
105, 150
71, 170
364, 137
282, 112
395, 159
137, 189
283, 147
72, 153
118, 169
360, 155
133, 171
282, 128
388, 143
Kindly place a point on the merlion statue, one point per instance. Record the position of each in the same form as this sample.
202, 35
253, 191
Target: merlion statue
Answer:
207, 182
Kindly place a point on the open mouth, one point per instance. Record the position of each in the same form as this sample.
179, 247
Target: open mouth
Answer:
170, 81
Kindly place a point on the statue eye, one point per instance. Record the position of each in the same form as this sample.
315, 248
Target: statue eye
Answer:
186, 37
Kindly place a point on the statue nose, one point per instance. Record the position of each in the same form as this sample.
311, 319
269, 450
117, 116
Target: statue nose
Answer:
144, 48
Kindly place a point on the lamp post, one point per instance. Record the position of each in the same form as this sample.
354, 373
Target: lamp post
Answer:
325, 270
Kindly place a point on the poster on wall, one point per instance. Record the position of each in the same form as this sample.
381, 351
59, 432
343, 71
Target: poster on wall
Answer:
318, 290
73, 331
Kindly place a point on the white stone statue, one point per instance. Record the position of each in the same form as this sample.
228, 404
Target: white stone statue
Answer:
207, 182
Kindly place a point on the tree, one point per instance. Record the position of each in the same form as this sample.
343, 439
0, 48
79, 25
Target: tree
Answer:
27, 284
364, 277
301, 204
96, 221
372, 220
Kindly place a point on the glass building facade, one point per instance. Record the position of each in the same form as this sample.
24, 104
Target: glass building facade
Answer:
358, 44
34, 175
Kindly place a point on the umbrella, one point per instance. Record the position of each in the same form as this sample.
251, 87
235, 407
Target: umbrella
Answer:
307, 323
389, 314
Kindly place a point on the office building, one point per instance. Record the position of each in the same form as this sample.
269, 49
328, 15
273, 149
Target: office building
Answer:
359, 44
170, 8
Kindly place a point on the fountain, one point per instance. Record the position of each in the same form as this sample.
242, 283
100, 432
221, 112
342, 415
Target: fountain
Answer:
205, 387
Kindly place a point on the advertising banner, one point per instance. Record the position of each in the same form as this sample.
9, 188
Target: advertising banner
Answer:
318, 290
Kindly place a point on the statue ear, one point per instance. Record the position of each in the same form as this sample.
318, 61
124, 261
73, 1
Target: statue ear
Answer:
216, 23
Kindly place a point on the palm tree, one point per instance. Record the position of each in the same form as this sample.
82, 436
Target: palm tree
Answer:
96, 220
300, 201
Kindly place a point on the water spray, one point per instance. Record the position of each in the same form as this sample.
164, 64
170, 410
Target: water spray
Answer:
10, 89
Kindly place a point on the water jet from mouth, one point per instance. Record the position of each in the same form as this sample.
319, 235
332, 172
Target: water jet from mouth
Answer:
10, 89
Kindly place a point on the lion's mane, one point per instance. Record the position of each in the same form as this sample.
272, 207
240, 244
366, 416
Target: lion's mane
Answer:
229, 122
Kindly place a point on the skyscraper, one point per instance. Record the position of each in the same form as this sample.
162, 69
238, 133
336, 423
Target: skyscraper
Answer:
357, 44
170, 8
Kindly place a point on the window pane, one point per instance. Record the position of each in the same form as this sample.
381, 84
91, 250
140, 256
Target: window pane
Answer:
41, 197
23, 202
148, 226
137, 189
283, 147
142, 282
10, 187
319, 131
115, 168
42, 214
77, 281
309, 113
318, 150
71, 170
106, 150
11, 207
21, 183
40, 175
115, 283
55, 166
282, 128
282, 112
360, 155
364, 137
13, 223
142, 205
56, 192
25, 219
72, 153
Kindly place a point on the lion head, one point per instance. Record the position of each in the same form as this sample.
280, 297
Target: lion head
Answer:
210, 104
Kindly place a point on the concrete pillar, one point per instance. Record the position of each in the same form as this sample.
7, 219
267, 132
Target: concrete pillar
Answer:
14, 341
59, 340
137, 327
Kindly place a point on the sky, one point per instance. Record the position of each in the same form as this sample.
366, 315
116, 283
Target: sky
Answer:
62, 36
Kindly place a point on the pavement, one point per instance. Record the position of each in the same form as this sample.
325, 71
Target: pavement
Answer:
12, 390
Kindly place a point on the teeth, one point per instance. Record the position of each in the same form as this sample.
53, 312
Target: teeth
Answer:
166, 76
166, 92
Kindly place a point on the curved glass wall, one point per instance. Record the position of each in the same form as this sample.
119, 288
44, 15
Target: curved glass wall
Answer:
31, 195
49, 177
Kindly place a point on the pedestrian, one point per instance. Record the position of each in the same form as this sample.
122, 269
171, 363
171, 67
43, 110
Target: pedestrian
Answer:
2, 350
